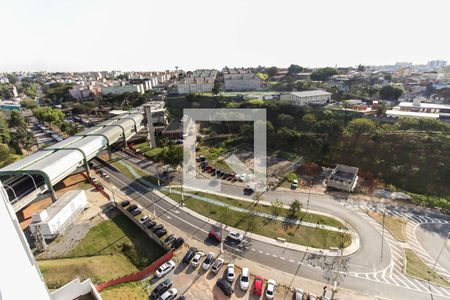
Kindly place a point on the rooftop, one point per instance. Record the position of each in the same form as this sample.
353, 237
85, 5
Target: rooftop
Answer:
310, 93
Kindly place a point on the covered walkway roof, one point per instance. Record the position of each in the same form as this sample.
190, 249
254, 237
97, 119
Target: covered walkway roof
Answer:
59, 160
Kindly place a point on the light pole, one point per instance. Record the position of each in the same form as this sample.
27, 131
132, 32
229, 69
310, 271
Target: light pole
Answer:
113, 188
440, 252
382, 233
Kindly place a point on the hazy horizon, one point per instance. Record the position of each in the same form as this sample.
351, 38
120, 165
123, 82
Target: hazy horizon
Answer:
139, 35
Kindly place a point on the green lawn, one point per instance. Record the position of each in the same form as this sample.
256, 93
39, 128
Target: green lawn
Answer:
126, 291
110, 236
417, 268
101, 268
308, 217
295, 234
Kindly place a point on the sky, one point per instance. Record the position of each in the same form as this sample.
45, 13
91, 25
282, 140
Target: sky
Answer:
147, 35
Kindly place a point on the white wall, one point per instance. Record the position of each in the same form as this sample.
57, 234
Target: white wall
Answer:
20, 277
74, 289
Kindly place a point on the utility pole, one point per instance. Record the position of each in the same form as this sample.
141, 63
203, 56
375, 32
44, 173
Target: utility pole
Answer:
382, 234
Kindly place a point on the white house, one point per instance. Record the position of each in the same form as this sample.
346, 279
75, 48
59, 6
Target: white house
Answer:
316, 97
240, 80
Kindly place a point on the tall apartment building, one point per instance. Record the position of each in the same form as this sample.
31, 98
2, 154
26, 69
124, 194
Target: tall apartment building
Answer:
200, 81
240, 80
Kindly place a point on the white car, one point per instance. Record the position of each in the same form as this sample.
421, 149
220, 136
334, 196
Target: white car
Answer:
170, 294
298, 294
196, 260
230, 272
217, 265
294, 184
244, 282
208, 261
235, 236
144, 219
312, 297
165, 268
270, 288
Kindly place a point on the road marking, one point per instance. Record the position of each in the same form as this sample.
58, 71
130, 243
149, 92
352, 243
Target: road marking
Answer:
274, 255
282, 258
291, 260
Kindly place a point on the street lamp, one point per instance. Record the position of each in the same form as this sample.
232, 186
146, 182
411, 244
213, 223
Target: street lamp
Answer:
383, 206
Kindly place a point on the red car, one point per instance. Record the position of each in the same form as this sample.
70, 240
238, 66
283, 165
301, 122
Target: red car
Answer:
215, 235
258, 286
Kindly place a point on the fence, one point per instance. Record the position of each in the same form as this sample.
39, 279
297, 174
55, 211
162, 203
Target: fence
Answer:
138, 275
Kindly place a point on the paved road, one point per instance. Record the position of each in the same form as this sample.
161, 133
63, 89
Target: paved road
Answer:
365, 270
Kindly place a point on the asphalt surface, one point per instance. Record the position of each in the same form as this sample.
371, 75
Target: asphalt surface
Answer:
366, 260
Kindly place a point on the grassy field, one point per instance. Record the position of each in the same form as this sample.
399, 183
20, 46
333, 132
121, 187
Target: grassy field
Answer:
126, 291
109, 236
295, 234
417, 268
308, 217
58, 272
393, 224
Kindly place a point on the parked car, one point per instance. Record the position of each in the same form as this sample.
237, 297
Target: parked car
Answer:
161, 232
136, 211
161, 288
225, 286
208, 261
150, 224
230, 272
125, 203
131, 207
170, 294
270, 289
169, 239
218, 263
235, 236
231, 176
215, 235
294, 184
298, 294
182, 298
157, 227
144, 219
258, 286
189, 255
197, 258
244, 281
177, 243
312, 297
211, 170
165, 268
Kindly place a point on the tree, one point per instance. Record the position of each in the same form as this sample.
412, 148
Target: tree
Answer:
216, 87
29, 104
361, 68
323, 74
294, 209
381, 109
276, 207
294, 69
6, 155
16, 119
49, 114
285, 120
389, 92
5, 137
272, 71
12, 78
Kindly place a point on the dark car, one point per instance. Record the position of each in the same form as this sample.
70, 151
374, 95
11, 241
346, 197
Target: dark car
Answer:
124, 203
161, 232
150, 224
189, 255
225, 286
182, 298
132, 207
158, 227
169, 239
177, 243
161, 288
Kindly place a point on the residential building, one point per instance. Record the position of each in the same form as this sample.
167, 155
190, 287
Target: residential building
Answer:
200, 81
239, 80
123, 88
436, 64
315, 97
9, 105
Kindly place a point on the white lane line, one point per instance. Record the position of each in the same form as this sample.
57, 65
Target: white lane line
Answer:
260, 252
267, 253
291, 260
253, 249
282, 258
168, 217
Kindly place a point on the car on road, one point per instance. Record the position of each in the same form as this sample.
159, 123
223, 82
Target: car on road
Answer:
197, 258
161, 288
208, 261
125, 203
312, 297
157, 227
218, 263
294, 184
230, 272
144, 219
298, 294
215, 235
244, 281
165, 268
169, 239
160, 233
170, 294
177, 243
189, 255
270, 289
150, 224
131, 207
225, 286
235, 236
258, 286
